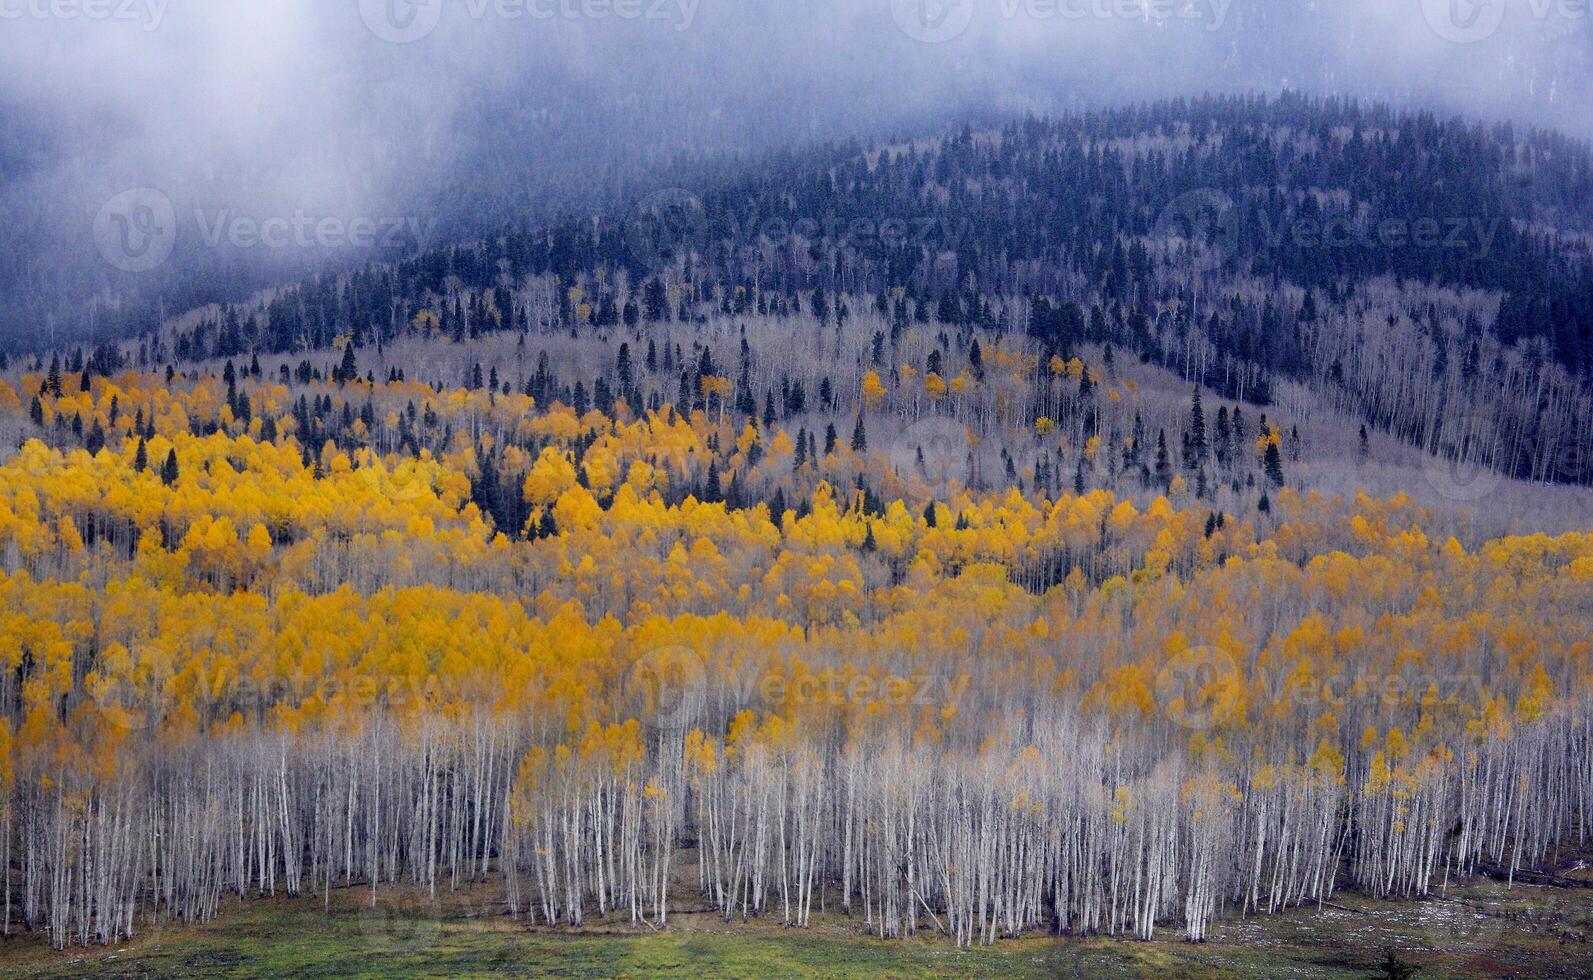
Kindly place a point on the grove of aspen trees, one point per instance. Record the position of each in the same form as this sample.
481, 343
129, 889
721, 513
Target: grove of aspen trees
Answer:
825, 605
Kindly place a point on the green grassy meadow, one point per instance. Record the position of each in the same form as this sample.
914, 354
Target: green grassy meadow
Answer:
1482, 931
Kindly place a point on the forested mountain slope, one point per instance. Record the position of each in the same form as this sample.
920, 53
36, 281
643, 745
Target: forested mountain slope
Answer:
989, 555
1429, 278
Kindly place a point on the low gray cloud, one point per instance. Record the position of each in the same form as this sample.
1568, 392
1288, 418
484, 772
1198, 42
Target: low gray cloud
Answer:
454, 113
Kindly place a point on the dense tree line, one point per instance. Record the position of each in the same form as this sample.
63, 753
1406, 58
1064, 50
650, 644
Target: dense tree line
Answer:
1236, 241
265, 634
969, 579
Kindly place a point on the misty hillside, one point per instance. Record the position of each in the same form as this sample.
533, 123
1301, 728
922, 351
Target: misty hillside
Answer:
1087, 525
1429, 279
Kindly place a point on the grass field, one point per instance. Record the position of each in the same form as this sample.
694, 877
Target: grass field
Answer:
1482, 931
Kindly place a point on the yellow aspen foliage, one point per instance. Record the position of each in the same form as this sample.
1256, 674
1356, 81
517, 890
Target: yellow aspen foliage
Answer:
551, 476
873, 391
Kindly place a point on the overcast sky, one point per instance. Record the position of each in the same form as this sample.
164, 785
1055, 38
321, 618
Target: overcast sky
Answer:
363, 108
